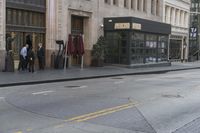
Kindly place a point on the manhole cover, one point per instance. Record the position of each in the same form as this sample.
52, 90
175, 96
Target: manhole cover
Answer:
172, 96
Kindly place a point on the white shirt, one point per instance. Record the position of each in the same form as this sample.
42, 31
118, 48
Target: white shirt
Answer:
23, 52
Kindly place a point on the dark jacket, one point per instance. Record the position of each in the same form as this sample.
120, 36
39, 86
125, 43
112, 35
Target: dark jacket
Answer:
31, 56
40, 52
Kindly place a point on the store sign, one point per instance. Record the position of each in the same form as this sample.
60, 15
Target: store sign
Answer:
136, 26
122, 26
193, 32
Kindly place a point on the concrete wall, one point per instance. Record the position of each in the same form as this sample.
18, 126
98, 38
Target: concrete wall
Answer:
2, 33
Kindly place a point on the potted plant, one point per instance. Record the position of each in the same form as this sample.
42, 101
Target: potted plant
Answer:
98, 52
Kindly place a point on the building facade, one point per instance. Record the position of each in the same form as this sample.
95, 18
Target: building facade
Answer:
2, 33
49, 20
177, 13
194, 46
87, 17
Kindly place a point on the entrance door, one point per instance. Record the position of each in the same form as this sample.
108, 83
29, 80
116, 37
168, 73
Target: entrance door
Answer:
76, 29
117, 48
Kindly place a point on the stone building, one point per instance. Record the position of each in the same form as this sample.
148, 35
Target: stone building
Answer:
2, 33
87, 17
51, 20
194, 45
177, 13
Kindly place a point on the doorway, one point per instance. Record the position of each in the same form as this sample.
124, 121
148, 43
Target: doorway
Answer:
77, 28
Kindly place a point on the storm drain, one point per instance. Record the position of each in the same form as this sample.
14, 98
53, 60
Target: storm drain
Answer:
172, 96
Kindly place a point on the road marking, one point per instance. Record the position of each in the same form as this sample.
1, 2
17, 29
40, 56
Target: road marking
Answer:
59, 126
80, 87
84, 86
119, 82
19, 132
42, 92
29, 129
101, 113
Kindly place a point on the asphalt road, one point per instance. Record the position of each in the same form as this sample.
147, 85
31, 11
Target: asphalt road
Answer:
160, 103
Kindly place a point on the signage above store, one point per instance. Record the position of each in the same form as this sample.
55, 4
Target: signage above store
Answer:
136, 26
193, 32
122, 26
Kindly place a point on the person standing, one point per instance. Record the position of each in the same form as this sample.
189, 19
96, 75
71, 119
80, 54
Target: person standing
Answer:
31, 60
41, 56
23, 57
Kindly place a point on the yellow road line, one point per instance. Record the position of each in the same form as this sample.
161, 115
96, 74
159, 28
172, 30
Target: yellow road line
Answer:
29, 129
59, 126
19, 132
101, 113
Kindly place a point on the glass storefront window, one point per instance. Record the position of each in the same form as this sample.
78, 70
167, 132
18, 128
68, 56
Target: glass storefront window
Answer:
117, 48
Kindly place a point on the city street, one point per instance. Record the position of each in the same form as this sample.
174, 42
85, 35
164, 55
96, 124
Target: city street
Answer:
156, 103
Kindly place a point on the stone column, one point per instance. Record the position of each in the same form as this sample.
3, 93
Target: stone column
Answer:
2, 33
178, 18
173, 17
141, 5
186, 19
154, 6
135, 4
168, 14
182, 18
51, 30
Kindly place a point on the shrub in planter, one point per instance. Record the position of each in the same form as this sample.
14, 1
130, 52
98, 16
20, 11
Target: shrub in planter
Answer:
98, 52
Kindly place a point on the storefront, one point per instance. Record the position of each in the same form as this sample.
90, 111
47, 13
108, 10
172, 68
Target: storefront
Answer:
136, 41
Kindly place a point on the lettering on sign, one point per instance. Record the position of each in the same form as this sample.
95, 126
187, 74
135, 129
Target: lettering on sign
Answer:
193, 32
122, 25
136, 26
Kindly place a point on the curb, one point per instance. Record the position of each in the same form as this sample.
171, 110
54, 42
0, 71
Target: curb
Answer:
92, 77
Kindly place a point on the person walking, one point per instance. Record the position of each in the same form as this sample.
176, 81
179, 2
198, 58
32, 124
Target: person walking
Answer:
31, 60
41, 56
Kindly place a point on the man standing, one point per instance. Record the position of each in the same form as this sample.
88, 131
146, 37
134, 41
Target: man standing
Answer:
23, 57
31, 60
41, 56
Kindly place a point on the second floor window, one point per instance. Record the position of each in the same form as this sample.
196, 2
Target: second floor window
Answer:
115, 2
107, 1
126, 3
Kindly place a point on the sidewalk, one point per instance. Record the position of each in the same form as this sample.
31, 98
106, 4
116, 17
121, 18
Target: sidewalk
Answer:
47, 76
